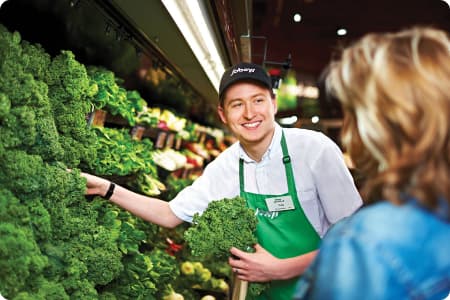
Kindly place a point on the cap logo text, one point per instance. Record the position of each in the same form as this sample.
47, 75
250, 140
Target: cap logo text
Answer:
239, 70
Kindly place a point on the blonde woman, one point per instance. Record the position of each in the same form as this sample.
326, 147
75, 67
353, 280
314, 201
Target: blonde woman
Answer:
395, 91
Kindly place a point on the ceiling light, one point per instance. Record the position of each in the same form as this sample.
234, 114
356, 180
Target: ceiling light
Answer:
341, 31
190, 17
288, 120
297, 18
1, 2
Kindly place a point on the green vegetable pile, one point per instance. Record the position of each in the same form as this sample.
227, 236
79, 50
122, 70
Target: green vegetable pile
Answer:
119, 154
175, 185
114, 98
54, 243
224, 224
52, 247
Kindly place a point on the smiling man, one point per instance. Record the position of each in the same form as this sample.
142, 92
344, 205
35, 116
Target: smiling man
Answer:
295, 180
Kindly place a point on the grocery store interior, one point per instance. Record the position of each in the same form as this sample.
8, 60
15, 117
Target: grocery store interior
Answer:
157, 66
139, 41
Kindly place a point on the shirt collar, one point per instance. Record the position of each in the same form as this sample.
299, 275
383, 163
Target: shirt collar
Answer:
276, 140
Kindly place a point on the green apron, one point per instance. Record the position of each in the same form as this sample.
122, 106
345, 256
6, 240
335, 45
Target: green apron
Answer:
284, 234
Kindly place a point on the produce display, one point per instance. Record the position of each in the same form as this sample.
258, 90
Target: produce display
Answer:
55, 242
114, 98
119, 154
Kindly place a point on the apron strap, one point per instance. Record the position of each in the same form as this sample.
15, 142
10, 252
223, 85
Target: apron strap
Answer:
288, 166
241, 175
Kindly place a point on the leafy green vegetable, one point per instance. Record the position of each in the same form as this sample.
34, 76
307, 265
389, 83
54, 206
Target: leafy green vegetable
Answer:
119, 154
174, 185
20, 256
70, 92
114, 98
54, 244
224, 224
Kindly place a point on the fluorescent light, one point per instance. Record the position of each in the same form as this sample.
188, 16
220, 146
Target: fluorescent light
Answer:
191, 20
297, 18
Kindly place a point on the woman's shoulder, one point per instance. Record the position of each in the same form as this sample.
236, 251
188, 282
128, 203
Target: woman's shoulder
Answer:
406, 243
389, 222
395, 232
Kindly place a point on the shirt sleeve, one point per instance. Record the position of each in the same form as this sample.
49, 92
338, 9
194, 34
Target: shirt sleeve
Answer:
334, 182
208, 187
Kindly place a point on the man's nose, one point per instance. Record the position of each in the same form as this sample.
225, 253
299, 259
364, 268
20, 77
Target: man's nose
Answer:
249, 111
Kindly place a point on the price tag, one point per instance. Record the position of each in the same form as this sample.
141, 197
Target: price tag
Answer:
161, 140
137, 132
98, 118
170, 140
178, 142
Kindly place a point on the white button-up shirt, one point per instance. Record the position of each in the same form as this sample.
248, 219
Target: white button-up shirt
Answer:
325, 187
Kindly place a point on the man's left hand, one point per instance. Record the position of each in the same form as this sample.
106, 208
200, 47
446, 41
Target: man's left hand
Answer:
259, 266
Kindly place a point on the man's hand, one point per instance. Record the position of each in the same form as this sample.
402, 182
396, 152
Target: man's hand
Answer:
95, 185
260, 266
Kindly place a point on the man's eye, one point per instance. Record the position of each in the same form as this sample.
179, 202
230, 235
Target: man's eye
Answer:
236, 104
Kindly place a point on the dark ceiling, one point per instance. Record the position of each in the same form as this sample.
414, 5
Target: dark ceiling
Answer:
312, 41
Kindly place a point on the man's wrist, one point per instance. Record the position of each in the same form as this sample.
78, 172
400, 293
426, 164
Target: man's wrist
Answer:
110, 190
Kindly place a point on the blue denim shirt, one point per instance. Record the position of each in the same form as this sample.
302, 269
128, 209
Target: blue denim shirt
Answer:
382, 252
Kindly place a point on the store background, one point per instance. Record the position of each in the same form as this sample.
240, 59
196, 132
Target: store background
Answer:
139, 41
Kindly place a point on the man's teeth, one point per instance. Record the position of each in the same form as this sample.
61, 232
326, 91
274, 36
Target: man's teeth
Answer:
251, 125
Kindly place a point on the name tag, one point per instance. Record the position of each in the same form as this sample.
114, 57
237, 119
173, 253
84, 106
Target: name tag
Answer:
280, 203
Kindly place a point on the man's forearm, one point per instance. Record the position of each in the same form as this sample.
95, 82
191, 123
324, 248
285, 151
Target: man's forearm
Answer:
150, 209
295, 266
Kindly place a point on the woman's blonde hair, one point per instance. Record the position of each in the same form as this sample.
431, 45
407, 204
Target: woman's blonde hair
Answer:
395, 93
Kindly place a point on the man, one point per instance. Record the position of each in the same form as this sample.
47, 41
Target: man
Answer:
297, 193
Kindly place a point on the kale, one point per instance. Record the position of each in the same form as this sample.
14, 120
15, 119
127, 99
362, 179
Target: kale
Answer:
224, 224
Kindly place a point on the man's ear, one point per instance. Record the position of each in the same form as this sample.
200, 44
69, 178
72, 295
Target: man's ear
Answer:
275, 104
221, 113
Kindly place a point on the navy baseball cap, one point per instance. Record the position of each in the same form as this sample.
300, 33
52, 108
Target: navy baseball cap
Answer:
241, 72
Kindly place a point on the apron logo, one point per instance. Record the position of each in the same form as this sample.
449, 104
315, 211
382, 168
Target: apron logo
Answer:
266, 214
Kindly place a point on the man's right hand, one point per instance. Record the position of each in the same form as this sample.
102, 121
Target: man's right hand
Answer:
95, 185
